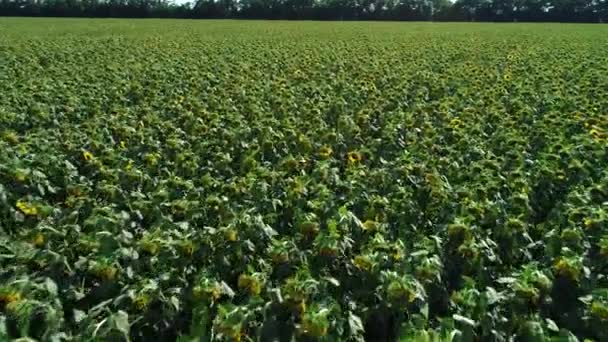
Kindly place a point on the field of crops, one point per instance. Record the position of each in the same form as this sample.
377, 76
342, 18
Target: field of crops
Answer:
243, 181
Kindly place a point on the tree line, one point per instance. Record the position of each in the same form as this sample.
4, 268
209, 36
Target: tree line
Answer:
421, 10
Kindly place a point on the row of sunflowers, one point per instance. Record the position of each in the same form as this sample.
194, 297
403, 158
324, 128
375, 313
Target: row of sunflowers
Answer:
245, 181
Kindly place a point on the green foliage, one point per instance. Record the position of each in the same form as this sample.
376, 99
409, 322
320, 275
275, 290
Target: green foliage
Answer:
409, 10
249, 180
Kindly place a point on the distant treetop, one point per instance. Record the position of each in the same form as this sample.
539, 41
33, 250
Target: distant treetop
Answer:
419, 10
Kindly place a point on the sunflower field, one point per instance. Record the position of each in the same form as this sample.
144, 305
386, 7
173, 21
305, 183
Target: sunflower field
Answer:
302, 181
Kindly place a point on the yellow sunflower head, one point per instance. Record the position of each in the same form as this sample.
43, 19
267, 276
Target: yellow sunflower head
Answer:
231, 235
354, 157
88, 156
151, 158
10, 137
20, 175
141, 302
10, 297
325, 152
188, 248
507, 77
599, 310
38, 240
362, 263
27, 208
596, 134
567, 269
370, 226
455, 123
150, 246
108, 272
250, 283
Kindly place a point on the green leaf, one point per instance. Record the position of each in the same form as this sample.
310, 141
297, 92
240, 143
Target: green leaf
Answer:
354, 323
175, 302
121, 322
50, 287
3, 332
424, 310
333, 281
464, 320
227, 290
493, 296
551, 325
506, 280
567, 336
79, 315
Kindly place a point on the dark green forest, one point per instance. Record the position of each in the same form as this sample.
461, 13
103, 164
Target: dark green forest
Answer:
406, 10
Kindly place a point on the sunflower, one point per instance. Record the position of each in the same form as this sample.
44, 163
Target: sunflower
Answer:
592, 223
141, 302
212, 291
88, 156
455, 123
599, 310
370, 226
231, 235
397, 254
105, 272
309, 228
314, 329
188, 248
151, 159
149, 246
20, 176
27, 208
399, 291
325, 152
108, 273
9, 298
353, 157
362, 263
38, 240
596, 134
10, 137
300, 307
567, 269
588, 222
250, 284
506, 77
604, 246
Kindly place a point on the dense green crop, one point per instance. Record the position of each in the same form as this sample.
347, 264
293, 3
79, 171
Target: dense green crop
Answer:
316, 181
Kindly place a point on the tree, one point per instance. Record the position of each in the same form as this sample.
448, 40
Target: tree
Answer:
461, 10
